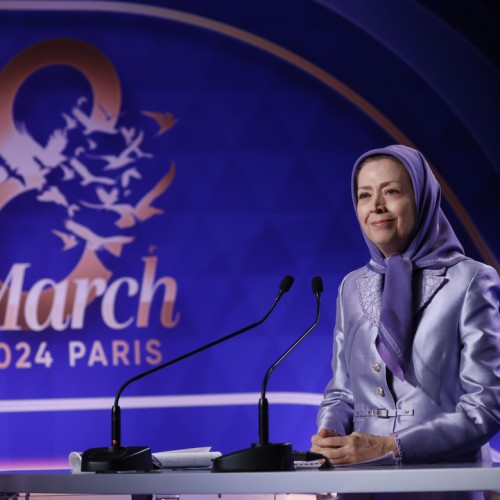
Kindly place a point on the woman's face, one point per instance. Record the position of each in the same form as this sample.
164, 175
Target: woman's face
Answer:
386, 204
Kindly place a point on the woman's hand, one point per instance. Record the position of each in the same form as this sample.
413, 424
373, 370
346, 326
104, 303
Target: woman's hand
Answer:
356, 447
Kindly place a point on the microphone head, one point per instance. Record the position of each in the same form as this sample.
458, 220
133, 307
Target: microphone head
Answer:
286, 283
317, 285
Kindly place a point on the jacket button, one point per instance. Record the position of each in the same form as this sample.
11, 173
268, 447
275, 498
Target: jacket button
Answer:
377, 367
380, 391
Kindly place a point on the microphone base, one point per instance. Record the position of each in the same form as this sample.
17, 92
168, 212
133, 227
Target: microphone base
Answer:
258, 458
117, 458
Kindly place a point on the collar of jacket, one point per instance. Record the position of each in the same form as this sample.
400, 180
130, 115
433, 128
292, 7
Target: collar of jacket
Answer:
426, 283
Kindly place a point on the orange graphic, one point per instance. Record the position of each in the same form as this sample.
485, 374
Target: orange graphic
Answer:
25, 165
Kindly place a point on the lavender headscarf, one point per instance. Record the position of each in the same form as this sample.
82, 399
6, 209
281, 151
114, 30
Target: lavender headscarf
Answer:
433, 244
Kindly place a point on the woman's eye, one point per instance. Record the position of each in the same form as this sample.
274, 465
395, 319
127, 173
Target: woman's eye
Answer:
362, 196
392, 191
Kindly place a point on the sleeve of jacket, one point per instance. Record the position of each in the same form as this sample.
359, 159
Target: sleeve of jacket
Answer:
336, 409
477, 416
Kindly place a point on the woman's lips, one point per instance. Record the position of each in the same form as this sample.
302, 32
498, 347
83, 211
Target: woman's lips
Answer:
380, 223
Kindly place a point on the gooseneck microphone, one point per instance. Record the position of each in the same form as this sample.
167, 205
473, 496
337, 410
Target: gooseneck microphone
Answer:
265, 456
138, 458
317, 286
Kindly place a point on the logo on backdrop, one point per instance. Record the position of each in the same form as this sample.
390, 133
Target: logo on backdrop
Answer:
96, 173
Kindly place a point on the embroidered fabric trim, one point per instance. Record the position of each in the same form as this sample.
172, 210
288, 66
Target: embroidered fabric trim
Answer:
370, 296
429, 282
369, 289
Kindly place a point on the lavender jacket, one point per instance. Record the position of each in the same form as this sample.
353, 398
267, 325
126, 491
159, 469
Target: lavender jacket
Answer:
449, 407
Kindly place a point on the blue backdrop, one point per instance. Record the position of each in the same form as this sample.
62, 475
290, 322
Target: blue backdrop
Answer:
163, 165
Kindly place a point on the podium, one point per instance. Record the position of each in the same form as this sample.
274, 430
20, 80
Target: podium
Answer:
401, 478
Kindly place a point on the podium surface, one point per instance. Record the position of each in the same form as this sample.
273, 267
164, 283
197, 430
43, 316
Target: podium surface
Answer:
379, 479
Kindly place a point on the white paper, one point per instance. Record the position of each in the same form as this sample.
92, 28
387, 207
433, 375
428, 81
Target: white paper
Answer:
75, 461
190, 457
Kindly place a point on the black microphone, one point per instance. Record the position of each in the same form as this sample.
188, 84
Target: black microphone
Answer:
265, 456
138, 458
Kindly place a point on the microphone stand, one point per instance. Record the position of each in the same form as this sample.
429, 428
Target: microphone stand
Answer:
138, 458
266, 456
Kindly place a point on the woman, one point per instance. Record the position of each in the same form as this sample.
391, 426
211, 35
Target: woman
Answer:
417, 337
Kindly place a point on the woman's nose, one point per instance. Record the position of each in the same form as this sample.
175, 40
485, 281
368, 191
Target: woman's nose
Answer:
378, 204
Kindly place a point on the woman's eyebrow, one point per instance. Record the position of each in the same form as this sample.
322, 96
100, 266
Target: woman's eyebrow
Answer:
382, 184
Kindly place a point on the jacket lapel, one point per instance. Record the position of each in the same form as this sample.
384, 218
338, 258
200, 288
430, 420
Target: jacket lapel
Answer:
369, 287
428, 282
370, 295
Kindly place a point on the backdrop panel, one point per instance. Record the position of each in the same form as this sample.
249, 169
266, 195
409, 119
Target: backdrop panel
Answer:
164, 165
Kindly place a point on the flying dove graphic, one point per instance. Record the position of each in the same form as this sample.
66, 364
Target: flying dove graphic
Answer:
68, 174
87, 176
91, 125
128, 134
131, 173
69, 240
51, 156
115, 162
164, 120
142, 211
113, 244
54, 195
71, 123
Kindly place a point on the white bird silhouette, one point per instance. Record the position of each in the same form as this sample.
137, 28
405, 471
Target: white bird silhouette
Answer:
51, 156
125, 157
71, 123
107, 199
68, 174
79, 151
69, 240
91, 124
125, 211
142, 211
128, 134
87, 176
130, 173
54, 195
20, 152
113, 244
